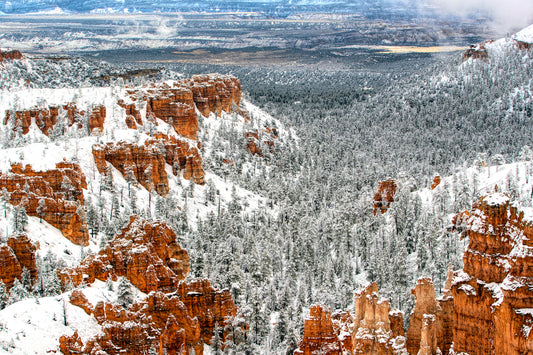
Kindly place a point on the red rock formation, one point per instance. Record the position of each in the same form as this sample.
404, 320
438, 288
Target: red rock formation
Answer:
181, 157
436, 182
209, 306
144, 163
173, 323
372, 324
10, 268
10, 55
139, 251
319, 336
373, 329
384, 195
46, 118
477, 52
493, 294
97, 118
176, 104
523, 45
430, 322
24, 250
53, 195
215, 93
252, 143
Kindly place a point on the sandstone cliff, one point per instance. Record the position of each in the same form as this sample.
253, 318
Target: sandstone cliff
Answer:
53, 195
10, 55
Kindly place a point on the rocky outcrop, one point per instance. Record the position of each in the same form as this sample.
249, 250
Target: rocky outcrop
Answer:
493, 294
477, 52
181, 156
176, 317
430, 324
46, 118
53, 195
10, 55
384, 195
144, 252
97, 118
373, 329
319, 337
373, 333
19, 253
144, 164
208, 305
255, 144
176, 103
436, 182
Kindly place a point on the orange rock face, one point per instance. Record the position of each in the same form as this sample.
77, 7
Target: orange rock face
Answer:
144, 163
10, 268
208, 305
373, 333
384, 195
53, 195
373, 329
10, 55
493, 294
436, 182
146, 253
169, 322
430, 324
46, 117
177, 104
19, 253
319, 336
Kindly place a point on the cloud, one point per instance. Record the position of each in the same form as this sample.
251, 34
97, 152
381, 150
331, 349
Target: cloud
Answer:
506, 15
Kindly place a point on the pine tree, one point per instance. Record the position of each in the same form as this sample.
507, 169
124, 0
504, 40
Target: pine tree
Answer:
124, 292
3, 295
17, 292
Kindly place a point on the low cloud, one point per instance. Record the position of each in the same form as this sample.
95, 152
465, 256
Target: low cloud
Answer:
505, 15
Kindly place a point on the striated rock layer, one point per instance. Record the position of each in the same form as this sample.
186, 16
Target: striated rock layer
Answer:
319, 336
493, 294
53, 195
176, 317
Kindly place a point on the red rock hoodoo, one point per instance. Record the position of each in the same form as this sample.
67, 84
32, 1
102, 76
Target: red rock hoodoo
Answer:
373, 329
430, 324
146, 253
384, 195
319, 337
436, 182
46, 118
53, 195
177, 317
177, 104
19, 253
477, 52
146, 163
493, 294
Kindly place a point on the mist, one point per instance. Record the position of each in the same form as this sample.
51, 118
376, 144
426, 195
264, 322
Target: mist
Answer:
506, 16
